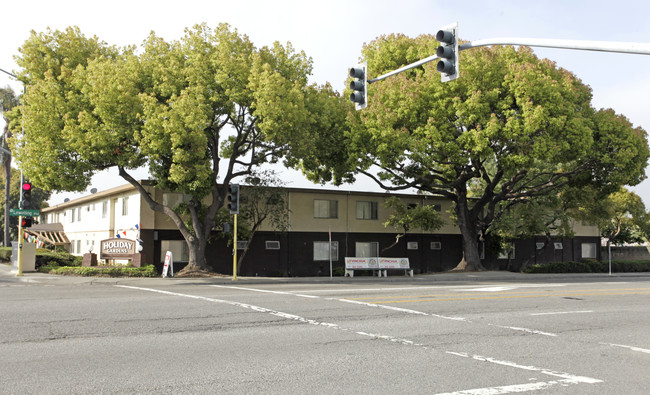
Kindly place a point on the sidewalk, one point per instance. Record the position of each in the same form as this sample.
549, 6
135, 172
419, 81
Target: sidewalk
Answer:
6, 276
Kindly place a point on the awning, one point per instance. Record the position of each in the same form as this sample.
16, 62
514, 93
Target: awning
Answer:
49, 233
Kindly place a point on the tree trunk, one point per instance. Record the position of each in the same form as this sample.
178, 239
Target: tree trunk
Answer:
471, 260
197, 261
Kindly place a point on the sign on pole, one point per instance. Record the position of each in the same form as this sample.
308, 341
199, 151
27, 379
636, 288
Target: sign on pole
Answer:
18, 212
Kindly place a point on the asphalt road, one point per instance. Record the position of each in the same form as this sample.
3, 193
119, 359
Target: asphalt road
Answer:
485, 333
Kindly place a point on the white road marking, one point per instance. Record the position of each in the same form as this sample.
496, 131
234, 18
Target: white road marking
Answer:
564, 312
639, 349
380, 306
267, 291
509, 389
566, 377
533, 331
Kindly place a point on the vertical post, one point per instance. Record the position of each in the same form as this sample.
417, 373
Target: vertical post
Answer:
19, 273
330, 233
234, 251
609, 253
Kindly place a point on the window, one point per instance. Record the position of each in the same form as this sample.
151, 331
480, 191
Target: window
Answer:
367, 210
178, 248
78, 213
367, 249
125, 205
412, 245
105, 209
436, 245
589, 250
79, 245
558, 246
241, 244
174, 199
508, 252
272, 245
539, 245
72, 244
71, 215
326, 208
321, 251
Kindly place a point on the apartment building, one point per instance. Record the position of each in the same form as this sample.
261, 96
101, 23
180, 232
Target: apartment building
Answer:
353, 219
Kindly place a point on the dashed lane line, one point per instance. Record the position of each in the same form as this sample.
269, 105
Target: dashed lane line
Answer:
566, 378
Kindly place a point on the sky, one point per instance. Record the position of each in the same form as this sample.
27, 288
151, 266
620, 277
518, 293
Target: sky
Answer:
332, 33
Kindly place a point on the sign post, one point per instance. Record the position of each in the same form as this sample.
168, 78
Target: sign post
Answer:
234, 250
330, 233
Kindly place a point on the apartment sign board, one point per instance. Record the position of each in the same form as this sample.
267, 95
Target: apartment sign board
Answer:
117, 248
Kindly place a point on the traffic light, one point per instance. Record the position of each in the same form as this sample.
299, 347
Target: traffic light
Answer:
26, 195
359, 86
233, 198
448, 52
27, 222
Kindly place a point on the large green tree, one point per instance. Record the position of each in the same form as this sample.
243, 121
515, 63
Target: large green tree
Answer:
8, 100
210, 106
511, 129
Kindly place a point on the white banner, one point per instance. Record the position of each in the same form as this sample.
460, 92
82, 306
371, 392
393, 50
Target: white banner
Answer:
377, 263
169, 261
393, 263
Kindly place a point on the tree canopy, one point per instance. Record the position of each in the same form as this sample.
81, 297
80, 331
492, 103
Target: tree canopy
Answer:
512, 129
210, 106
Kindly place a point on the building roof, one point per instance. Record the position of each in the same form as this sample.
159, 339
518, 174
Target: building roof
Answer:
129, 187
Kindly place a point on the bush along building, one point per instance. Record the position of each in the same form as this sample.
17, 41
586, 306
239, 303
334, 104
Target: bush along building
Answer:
295, 242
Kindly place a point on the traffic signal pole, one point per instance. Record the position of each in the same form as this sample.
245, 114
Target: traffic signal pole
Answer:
583, 45
21, 237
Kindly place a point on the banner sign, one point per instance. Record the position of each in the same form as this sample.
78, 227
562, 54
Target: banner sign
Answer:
117, 248
376, 263
169, 261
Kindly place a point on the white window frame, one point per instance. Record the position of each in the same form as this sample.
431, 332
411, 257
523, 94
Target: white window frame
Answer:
321, 251
436, 245
324, 208
125, 206
272, 244
105, 209
412, 245
242, 244
539, 245
589, 250
558, 245
366, 249
367, 210
178, 248
508, 254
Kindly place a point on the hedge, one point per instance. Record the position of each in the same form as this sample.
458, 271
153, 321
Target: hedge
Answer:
113, 271
589, 267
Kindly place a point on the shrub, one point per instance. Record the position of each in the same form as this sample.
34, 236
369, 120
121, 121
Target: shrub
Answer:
115, 271
589, 267
57, 259
5, 253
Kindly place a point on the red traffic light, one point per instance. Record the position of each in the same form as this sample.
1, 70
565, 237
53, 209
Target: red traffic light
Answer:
27, 186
